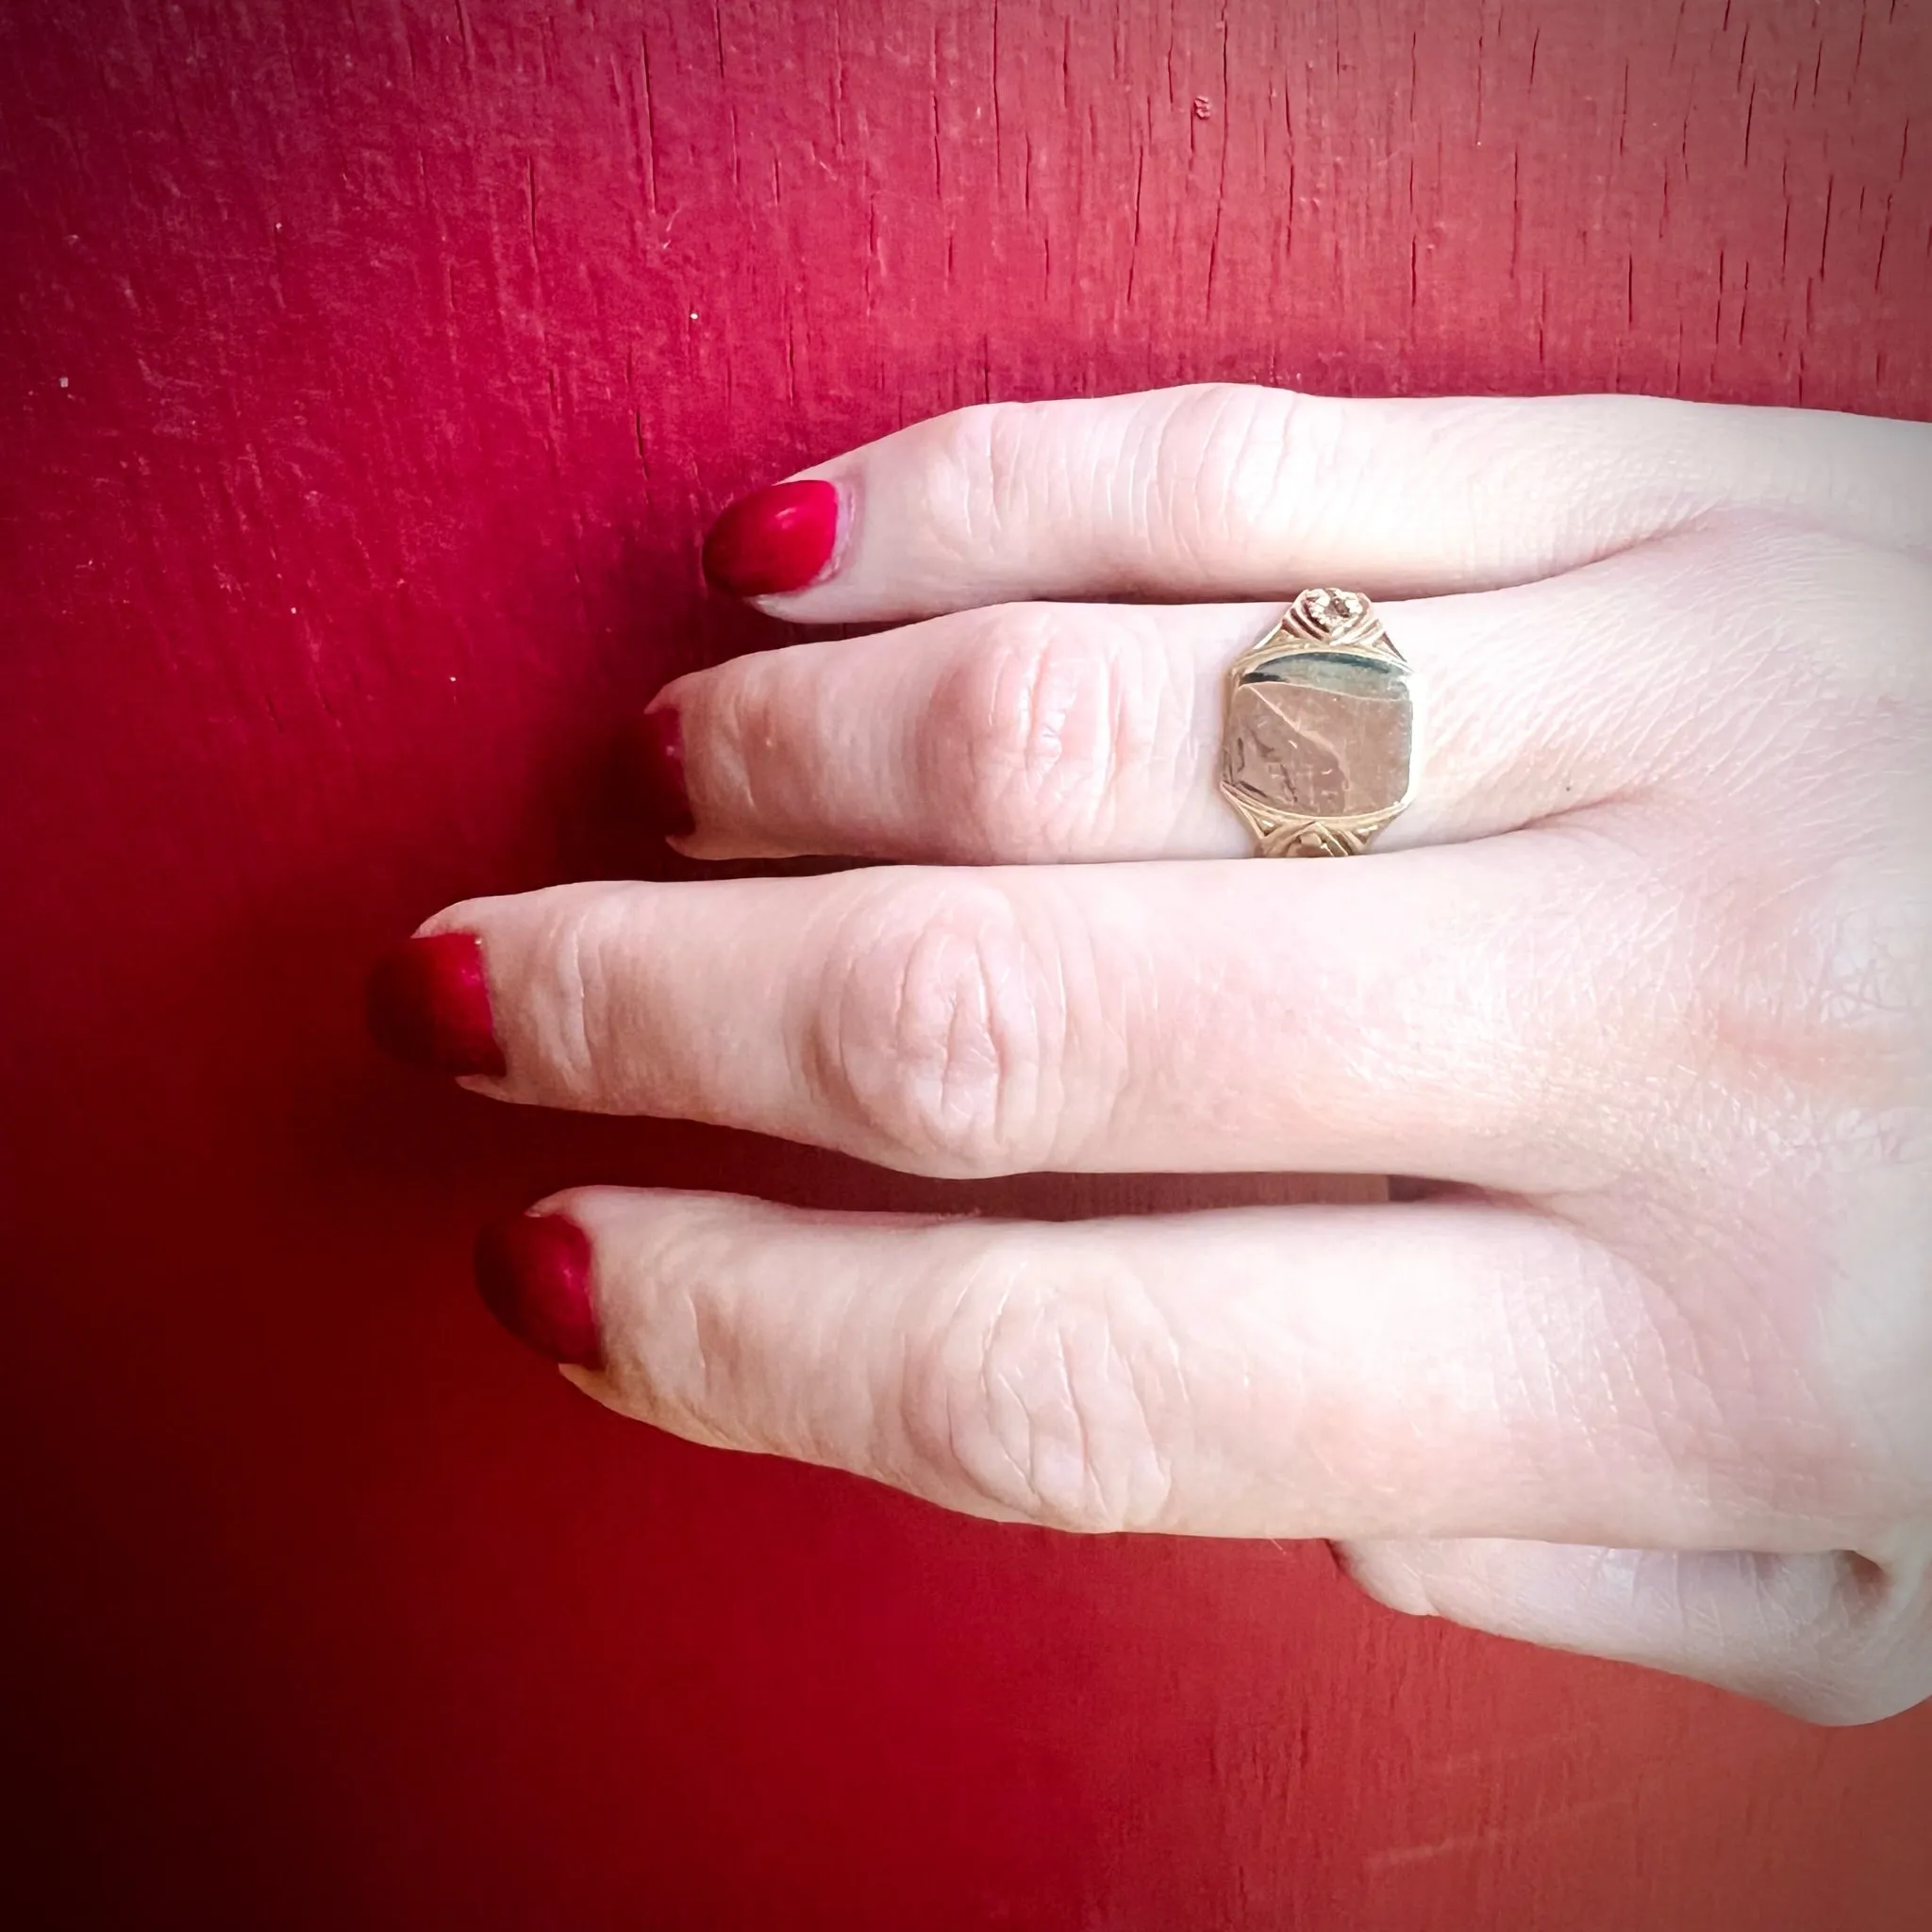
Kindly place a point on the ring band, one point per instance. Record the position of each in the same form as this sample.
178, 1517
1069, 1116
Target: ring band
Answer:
1317, 751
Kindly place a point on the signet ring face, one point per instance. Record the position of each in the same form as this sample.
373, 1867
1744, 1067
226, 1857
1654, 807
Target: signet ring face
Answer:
1319, 745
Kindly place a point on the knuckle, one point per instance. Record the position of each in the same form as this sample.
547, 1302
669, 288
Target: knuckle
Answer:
1045, 1395
983, 474
1792, 942
1193, 473
744, 714
1809, 992
1832, 631
1225, 457
941, 1035
1828, 945
1034, 734
1835, 1001
575, 1000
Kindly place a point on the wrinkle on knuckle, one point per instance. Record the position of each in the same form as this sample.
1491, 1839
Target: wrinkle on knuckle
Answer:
750, 718
1817, 651
684, 1348
579, 997
1760, 995
1048, 1396
1034, 735
1816, 999
981, 477
1188, 476
1223, 461
1810, 941
941, 1032
1776, 554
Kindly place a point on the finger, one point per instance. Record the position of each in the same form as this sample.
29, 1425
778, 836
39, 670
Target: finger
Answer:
1029, 732
1828, 1635
1403, 1014
1434, 1368
1230, 492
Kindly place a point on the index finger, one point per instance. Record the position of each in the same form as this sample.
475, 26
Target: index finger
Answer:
1224, 491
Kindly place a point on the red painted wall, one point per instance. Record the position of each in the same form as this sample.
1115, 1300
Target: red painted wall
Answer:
368, 369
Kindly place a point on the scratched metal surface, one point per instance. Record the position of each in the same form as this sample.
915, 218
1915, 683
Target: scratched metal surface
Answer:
370, 369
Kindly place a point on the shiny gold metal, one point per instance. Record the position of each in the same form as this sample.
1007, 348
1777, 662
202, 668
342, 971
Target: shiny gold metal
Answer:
1318, 752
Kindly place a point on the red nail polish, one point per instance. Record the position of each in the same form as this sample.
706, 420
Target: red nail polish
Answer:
657, 773
779, 538
534, 1272
430, 1004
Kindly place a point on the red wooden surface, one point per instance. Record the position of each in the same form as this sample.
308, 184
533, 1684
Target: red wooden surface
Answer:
370, 369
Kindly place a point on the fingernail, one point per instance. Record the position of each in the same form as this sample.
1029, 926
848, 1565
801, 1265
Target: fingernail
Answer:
657, 773
430, 1003
534, 1272
779, 538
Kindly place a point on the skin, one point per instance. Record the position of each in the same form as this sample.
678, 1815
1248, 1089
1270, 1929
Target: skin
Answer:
1642, 981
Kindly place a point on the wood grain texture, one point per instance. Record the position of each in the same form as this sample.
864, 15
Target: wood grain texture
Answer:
370, 368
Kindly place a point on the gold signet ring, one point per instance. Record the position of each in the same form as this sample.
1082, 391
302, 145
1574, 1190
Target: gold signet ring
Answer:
1319, 749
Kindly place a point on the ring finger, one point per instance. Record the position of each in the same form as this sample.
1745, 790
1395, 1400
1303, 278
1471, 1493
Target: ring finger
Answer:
1033, 732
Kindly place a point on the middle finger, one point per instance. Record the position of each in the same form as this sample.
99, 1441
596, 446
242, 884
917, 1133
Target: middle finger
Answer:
1398, 1015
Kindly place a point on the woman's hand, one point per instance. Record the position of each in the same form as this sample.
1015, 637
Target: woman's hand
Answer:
1642, 979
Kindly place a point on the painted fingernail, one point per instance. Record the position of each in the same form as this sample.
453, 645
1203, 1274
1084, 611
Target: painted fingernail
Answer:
534, 1272
779, 538
657, 773
430, 1003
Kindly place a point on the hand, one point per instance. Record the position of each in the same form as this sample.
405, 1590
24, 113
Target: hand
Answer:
1641, 982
